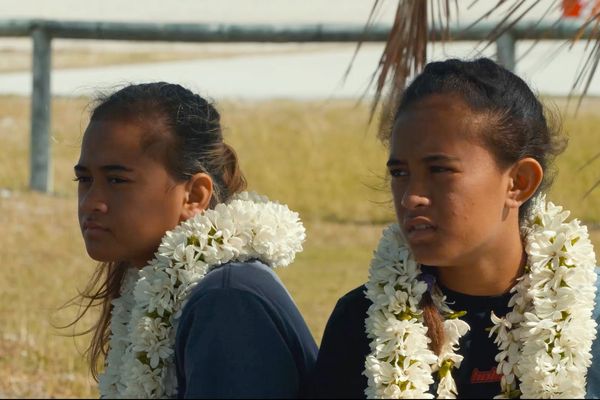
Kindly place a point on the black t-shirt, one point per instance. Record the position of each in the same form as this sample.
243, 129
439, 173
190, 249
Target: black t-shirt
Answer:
477, 377
341, 360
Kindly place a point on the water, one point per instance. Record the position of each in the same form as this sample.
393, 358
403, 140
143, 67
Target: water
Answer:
303, 75
299, 75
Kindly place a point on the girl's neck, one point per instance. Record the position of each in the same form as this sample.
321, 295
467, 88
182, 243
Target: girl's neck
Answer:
493, 273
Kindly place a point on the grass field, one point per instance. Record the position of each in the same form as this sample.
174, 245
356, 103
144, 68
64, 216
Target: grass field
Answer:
319, 157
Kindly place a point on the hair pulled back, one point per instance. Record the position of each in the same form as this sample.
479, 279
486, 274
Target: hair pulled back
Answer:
518, 124
189, 126
187, 131
517, 128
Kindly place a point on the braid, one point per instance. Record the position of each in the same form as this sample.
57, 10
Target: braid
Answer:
518, 128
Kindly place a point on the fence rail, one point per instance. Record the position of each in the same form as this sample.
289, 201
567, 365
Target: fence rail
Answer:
186, 32
43, 31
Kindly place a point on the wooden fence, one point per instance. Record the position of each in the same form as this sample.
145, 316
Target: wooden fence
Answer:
43, 31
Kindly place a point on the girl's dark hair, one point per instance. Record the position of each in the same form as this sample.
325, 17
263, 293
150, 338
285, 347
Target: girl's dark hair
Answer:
182, 123
185, 129
518, 126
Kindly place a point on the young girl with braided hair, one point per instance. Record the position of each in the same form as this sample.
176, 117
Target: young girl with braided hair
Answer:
189, 303
483, 287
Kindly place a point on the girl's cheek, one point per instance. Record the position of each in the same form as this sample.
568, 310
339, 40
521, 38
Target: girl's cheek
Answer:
398, 193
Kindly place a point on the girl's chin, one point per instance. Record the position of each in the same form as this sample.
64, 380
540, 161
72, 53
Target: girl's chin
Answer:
428, 257
101, 256
102, 259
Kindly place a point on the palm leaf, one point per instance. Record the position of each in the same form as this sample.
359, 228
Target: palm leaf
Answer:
405, 52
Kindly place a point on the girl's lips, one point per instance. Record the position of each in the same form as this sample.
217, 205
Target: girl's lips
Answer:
93, 227
415, 223
94, 232
418, 229
421, 233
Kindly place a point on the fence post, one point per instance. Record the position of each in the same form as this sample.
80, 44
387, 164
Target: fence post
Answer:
505, 49
40, 156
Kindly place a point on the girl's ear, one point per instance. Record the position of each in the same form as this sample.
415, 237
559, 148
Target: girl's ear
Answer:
198, 193
524, 179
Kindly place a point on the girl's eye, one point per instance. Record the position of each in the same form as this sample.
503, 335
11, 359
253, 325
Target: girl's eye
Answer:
82, 179
439, 169
116, 180
398, 173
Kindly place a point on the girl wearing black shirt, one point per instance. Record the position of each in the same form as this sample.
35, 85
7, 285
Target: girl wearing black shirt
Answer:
482, 288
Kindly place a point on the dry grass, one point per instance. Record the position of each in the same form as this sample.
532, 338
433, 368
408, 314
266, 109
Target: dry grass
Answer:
324, 159
43, 263
576, 177
292, 137
321, 160
19, 60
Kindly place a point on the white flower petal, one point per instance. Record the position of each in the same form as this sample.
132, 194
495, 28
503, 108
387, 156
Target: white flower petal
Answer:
145, 317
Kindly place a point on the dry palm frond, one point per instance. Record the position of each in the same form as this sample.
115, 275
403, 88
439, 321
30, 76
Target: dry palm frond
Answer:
405, 53
590, 65
590, 59
415, 24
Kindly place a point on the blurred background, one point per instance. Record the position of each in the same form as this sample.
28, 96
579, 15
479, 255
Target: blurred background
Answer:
300, 126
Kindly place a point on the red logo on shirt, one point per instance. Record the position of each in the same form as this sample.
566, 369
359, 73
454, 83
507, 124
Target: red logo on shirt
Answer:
478, 376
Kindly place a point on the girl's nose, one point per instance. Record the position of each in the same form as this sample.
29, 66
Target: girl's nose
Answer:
93, 201
412, 201
414, 197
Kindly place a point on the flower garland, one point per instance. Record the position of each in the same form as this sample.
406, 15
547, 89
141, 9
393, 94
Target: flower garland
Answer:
140, 361
544, 343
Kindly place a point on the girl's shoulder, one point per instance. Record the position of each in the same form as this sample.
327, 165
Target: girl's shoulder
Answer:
252, 277
248, 285
351, 309
249, 295
597, 305
355, 298
240, 275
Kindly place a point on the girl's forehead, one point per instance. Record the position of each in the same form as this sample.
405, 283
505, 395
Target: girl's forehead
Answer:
440, 126
124, 142
107, 141
112, 132
437, 109
438, 121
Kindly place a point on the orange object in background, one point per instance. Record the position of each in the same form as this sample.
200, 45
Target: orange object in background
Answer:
571, 8
596, 9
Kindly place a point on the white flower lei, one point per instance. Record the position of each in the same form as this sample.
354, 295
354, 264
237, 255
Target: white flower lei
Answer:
140, 361
544, 342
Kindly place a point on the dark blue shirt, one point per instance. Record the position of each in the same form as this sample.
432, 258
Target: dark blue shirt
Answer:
345, 346
241, 335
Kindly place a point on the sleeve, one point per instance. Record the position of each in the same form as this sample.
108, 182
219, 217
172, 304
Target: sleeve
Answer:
593, 375
229, 346
340, 363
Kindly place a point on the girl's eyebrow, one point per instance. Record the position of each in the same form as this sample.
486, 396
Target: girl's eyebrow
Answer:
439, 157
115, 167
395, 161
427, 159
105, 168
